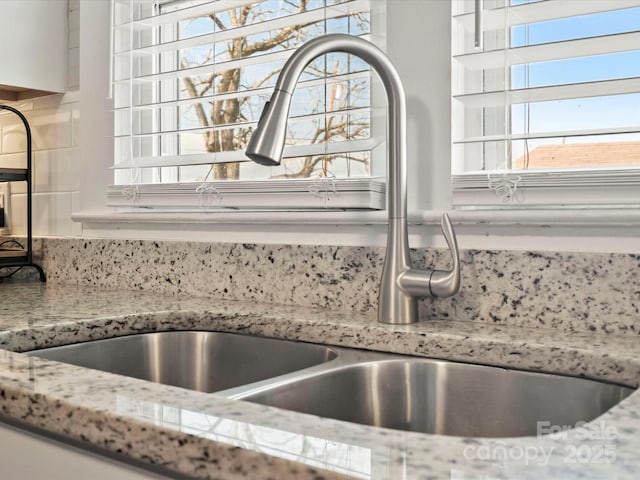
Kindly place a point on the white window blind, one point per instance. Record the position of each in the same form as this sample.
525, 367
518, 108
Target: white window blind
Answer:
190, 78
546, 101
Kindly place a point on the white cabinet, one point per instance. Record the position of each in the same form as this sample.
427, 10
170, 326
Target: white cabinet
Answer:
30, 456
33, 48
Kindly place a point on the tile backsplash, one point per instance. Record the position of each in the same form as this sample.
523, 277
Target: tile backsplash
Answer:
571, 292
54, 125
54, 122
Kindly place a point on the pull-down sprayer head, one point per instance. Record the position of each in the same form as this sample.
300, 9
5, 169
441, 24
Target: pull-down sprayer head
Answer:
267, 140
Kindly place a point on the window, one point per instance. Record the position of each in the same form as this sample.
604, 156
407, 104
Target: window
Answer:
190, 78
546, 97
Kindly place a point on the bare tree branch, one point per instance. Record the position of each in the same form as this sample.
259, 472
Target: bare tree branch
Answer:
218, 22
228, 109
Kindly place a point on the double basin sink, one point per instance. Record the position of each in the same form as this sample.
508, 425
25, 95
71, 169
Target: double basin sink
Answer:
370, 388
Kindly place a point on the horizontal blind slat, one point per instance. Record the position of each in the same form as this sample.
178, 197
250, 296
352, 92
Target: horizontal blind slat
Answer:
552, 134
290, 151
292, 184
182, 14
544, 178
494, 19
227, 126
345, 77
545, 94
211, 68
353, 193
546, 52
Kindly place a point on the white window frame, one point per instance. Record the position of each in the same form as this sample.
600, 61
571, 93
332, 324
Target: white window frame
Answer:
368, 193
578, 188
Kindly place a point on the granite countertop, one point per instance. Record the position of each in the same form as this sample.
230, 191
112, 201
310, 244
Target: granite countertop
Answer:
208, 436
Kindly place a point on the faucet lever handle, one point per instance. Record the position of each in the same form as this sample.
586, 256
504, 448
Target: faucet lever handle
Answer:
446, 283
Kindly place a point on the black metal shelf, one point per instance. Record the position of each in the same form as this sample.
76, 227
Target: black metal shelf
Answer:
12, 255
14, 174
20, 257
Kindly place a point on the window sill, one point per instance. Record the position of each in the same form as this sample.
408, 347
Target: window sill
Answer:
568, 229
238, 217
623, 216
354, 228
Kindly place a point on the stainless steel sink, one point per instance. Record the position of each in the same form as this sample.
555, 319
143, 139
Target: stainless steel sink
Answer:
370, 388
446, 398
203, 361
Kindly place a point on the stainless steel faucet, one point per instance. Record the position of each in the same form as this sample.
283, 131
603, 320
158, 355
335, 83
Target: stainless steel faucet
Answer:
400, 284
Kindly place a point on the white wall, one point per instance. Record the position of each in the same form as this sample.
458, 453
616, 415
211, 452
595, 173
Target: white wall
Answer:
418, 38
96, 129
54, 122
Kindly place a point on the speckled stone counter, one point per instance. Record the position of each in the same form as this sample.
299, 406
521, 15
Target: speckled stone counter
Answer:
208, 436
568, 291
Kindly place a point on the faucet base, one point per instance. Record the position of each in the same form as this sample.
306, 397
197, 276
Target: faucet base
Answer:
401, 310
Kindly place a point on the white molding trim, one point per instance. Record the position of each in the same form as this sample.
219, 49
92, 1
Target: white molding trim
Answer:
540, 230
235, 217
623, 216
583, 217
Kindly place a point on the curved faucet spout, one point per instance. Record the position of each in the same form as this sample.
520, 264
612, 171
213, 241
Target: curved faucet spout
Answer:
396, 304
267, 141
